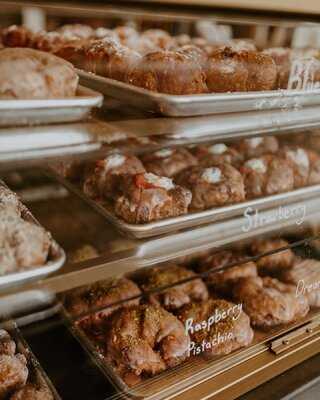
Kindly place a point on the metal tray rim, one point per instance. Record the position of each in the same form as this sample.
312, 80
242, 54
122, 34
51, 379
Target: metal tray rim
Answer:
192, 219
194, 216
37, 272
86, 98
196, 97
191, 105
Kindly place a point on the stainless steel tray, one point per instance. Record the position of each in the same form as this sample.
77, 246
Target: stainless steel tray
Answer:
35, 112
36, 372
194, 219
55, 260
199, 104
190, 372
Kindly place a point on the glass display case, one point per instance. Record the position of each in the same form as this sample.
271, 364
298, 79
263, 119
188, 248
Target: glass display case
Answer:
164, 242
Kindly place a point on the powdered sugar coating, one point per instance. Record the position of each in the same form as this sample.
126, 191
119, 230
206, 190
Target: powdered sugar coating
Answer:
218, 148
211, 175
159, 181
257, 164
299, 157
163, 153
229, 67
101, 33
9, 202
278, 51
23, 245
114, 161
254, 142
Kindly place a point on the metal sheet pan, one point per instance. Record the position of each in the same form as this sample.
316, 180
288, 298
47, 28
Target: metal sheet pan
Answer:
193, 371
194, 219
200, 104
55, 260
36, 372
35, 112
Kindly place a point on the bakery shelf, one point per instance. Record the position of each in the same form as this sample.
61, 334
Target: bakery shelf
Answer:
96, 250
171, 11
23, 145
288, 6
170, 161
127, 256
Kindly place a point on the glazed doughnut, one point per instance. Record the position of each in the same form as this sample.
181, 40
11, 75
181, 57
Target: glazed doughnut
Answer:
269, 302
217, 153
262, 70
258, 146
195, 53
148, 197
275, 263
168, 162
240, 71
267, 175
176, 296
223, 280
108, 58
226, 72
214, 186
169, 72
298, 159
282, 58
102, 181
